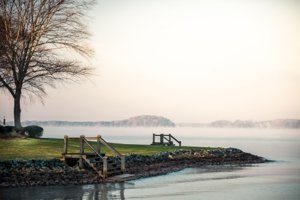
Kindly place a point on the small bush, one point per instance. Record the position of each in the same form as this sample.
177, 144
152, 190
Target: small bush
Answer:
9, 129
34, 131
2, 130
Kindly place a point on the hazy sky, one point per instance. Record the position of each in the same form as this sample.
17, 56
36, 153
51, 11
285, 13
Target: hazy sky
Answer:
190, 61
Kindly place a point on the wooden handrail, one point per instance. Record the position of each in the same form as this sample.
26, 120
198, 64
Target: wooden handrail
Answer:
96, 138
110, 147
84, 139
78, 138
166, 137
175, 139
74, 138
90, 138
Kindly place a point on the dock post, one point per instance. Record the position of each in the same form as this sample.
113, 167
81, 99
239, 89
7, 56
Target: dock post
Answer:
153, 142
82, 144
81, 151
105, 166
98, 144
123, 163
65, 144
161, 138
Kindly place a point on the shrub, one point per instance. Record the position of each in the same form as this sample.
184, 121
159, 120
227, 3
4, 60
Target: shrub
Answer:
34, 131
9, 129
2, 130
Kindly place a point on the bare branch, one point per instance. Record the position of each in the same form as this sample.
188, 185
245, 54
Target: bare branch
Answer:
33, 34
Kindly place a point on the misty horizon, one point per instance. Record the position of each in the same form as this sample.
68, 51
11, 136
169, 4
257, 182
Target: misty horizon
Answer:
190, 61
153, 121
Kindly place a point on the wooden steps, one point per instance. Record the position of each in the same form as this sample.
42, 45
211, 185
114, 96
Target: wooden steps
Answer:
97, 161
93, 166
113, 168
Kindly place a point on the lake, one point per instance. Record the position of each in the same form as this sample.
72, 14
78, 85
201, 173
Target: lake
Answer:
275, 180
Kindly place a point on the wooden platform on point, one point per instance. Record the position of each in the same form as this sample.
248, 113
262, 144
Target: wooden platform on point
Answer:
165, 140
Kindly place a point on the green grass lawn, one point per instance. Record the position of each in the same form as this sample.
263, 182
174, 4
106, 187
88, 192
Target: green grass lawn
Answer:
25, 149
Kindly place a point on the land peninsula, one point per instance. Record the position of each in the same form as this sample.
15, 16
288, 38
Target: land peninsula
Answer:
32, 162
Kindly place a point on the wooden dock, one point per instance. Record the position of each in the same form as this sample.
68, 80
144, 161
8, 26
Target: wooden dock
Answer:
95, 159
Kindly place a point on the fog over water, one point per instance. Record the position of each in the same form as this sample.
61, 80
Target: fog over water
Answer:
257, 141
277, 180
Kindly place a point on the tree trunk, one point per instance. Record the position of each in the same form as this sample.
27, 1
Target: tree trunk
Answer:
17, 109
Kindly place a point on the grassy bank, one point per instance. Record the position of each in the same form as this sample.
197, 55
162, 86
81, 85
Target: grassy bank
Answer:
25, 149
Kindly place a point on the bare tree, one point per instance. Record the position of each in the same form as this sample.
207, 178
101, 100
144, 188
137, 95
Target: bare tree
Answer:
34, 37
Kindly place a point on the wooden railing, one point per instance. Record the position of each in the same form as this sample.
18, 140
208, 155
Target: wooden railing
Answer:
165, 139
95, 150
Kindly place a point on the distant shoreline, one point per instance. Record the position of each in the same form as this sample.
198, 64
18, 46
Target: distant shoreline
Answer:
157, 121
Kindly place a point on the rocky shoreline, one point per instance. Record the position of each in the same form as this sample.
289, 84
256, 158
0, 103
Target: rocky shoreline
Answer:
18, 173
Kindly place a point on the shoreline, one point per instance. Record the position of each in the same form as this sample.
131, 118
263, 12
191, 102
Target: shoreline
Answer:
28, 173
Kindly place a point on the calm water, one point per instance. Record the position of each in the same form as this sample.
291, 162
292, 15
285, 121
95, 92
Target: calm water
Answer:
276, 180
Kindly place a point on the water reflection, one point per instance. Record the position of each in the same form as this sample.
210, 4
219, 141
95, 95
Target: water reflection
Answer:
85, 192
136, 189
209, 182
104, 191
